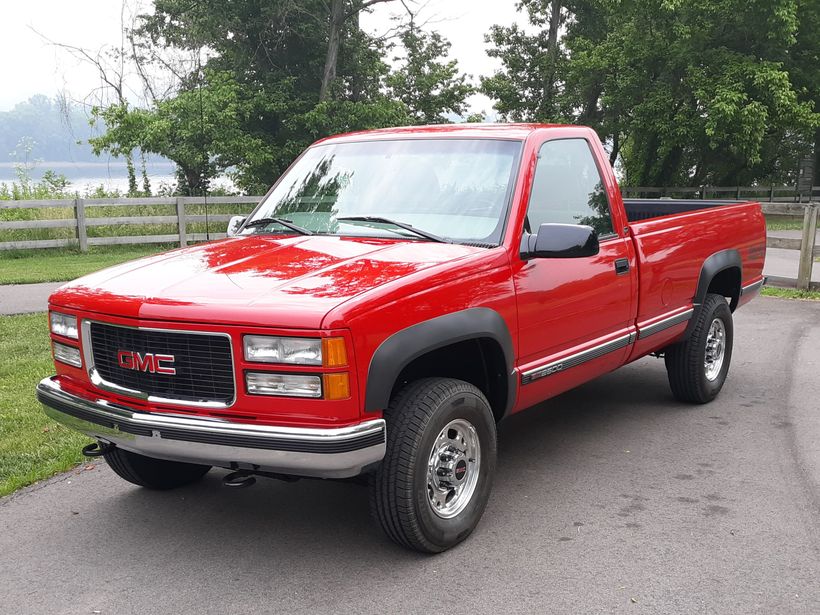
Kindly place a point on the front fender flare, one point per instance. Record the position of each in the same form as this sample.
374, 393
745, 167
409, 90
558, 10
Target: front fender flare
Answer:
400, 349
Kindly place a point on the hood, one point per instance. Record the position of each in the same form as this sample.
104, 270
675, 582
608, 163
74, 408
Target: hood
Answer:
256, 280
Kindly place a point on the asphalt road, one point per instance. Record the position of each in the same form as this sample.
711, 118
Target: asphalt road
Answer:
612, 498
26, 298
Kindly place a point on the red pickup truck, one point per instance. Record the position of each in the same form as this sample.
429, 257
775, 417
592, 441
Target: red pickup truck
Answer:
394, 296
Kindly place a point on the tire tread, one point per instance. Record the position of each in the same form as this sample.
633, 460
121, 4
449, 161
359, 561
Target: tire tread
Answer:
151, 473
391, 493
683, 360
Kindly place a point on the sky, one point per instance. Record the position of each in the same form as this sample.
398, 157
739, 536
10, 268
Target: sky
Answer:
31, 65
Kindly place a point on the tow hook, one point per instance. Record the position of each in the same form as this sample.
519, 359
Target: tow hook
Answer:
239, 479
97, 449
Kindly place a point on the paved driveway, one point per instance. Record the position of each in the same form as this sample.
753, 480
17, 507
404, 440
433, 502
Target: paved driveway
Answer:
26, 298
610, 499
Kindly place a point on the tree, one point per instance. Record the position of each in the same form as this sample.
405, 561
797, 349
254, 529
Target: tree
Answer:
270, 77
683, 92
528, 87
428, 85
803, 64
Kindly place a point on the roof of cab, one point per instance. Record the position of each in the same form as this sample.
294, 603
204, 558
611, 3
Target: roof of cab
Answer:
495, 131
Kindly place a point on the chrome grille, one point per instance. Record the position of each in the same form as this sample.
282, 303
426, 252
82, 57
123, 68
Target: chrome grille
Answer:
203, 362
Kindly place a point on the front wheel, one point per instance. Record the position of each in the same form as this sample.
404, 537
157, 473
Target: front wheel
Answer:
153, 473
698, 366
434, 482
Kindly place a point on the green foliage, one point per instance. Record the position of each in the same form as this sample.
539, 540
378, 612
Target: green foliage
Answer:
428, 86
790, 293
685, 93
255, 104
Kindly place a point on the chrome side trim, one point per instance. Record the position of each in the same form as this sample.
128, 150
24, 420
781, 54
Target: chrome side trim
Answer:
99, 382
327, 453
662, 325
753, 287
574, 360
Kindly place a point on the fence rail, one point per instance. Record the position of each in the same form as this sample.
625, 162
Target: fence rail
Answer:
771, 194
83, 218
182, 220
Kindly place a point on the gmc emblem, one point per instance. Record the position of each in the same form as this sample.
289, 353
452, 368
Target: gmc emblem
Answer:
147, 362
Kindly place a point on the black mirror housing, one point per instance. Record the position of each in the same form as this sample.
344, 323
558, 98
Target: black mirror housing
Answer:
561, 241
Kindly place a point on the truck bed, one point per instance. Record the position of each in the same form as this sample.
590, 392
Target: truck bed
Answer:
673, 239
645, 209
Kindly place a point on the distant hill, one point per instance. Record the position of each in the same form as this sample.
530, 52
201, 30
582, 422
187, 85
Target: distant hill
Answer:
54, 131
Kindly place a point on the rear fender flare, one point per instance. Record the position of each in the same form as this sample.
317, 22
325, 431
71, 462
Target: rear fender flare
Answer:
719, 261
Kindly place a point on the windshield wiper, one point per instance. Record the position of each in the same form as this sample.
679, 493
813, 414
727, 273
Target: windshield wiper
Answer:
401, 225
281, 221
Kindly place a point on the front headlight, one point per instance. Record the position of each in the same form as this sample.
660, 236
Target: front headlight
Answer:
290, 350
287, 385
63, 324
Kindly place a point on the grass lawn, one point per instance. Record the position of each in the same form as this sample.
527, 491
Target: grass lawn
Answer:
32, 446
790, 293
60, 265
784, 223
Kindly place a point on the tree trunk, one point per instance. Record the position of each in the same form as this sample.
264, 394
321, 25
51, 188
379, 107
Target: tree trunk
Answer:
816, 181
337, 19
356, 80
616, 148
132, 175
548, 104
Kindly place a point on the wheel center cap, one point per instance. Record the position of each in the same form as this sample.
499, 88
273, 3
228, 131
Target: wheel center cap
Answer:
460, 470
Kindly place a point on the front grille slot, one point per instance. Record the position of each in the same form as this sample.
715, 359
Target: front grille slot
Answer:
203, 362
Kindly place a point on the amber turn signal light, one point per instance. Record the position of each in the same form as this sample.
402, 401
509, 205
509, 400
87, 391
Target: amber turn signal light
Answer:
334, 352
337, 386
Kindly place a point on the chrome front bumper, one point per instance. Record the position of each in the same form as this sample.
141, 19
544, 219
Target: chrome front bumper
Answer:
326, 453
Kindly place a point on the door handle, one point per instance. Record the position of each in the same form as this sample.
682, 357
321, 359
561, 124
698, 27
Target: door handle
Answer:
622, 266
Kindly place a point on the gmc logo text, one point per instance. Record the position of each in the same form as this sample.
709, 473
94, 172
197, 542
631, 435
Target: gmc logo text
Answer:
146, 362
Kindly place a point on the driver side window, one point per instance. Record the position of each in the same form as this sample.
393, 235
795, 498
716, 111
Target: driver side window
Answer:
568, 188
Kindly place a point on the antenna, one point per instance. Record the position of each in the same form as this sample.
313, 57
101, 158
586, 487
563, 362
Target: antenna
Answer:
202, 179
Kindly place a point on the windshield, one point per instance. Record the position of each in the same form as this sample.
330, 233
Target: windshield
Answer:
456, 189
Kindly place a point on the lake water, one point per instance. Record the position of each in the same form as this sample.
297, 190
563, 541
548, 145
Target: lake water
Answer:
85, 177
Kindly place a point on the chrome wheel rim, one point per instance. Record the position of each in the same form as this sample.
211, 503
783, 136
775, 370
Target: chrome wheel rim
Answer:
453, 469
715, 349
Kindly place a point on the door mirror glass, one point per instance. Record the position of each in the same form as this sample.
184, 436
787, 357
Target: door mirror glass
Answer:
233, 225
561, 241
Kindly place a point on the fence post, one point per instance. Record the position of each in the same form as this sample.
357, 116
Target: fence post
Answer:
181, 223
82, 231
771, 194
807, 246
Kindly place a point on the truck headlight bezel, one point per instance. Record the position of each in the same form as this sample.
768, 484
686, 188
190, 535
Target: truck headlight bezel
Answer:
277, 384
70, 355
283, 350
64, 325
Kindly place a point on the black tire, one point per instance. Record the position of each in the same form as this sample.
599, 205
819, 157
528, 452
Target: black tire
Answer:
153, 473
399, 498
685, 362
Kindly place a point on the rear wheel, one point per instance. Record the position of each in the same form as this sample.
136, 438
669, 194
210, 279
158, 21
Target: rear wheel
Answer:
698, 367
153, 473
434, 482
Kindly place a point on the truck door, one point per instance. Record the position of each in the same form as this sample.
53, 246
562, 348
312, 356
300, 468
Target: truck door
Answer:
575, 314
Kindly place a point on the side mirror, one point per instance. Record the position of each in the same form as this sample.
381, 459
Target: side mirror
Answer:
561, 241
233, 225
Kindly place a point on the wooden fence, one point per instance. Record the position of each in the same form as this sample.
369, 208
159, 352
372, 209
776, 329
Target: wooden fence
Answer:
809, 250
82, 218
772, 194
